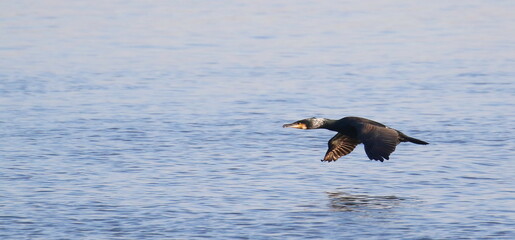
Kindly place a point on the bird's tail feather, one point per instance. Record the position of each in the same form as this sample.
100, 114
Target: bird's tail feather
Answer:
405, 138
414, 140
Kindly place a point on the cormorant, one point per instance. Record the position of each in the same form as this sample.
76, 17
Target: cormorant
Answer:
379, 140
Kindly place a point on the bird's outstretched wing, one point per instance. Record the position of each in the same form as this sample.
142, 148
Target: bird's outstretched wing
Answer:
339, 146
379, 141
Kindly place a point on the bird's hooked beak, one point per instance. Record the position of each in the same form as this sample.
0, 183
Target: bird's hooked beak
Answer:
295, 125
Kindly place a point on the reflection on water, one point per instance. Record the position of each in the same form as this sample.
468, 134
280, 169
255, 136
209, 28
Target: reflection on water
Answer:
345, 202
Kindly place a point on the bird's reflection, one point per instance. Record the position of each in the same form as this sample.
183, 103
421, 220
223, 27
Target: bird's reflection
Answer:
345, 202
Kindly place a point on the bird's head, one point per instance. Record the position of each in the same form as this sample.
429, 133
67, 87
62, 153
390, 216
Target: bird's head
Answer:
308, 123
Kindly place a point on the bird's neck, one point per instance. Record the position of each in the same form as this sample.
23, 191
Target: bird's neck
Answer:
329, 124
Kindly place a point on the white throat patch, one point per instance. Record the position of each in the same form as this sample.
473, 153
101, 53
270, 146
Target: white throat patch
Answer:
317, 122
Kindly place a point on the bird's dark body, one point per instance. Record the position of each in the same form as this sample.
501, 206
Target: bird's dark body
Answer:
379, 140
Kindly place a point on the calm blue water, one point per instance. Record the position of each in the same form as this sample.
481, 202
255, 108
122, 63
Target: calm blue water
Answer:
162, 119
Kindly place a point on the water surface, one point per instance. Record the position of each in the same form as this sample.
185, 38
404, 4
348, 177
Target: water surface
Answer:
162, 120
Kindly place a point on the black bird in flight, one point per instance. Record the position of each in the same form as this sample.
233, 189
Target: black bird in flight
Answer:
379, 140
